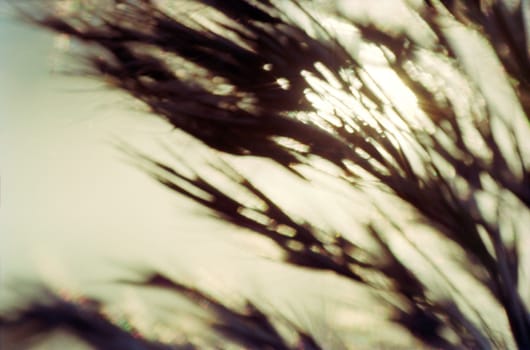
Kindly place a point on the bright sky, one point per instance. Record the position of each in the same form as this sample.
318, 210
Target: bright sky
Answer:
58, 169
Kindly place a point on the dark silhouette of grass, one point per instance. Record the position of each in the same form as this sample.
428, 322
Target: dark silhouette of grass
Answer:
243, 84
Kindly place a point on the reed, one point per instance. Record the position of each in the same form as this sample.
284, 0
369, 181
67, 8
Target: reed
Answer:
291, 81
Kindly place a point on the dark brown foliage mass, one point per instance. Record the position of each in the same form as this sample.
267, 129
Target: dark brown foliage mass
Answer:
239, 77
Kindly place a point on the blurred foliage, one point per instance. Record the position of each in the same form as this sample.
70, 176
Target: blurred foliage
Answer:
300, 83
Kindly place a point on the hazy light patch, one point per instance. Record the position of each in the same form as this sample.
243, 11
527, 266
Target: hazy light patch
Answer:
267, 67
283, 83
336, 108
54, 340
328, 75
508, 116
344, 32
454, 89
292, 144
392, 16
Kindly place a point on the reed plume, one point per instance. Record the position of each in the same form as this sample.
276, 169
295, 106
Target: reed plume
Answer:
320, 88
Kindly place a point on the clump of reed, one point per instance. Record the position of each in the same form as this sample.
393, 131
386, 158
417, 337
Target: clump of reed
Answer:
288, 81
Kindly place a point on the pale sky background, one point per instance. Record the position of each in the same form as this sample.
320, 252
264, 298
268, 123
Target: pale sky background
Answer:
61, 178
